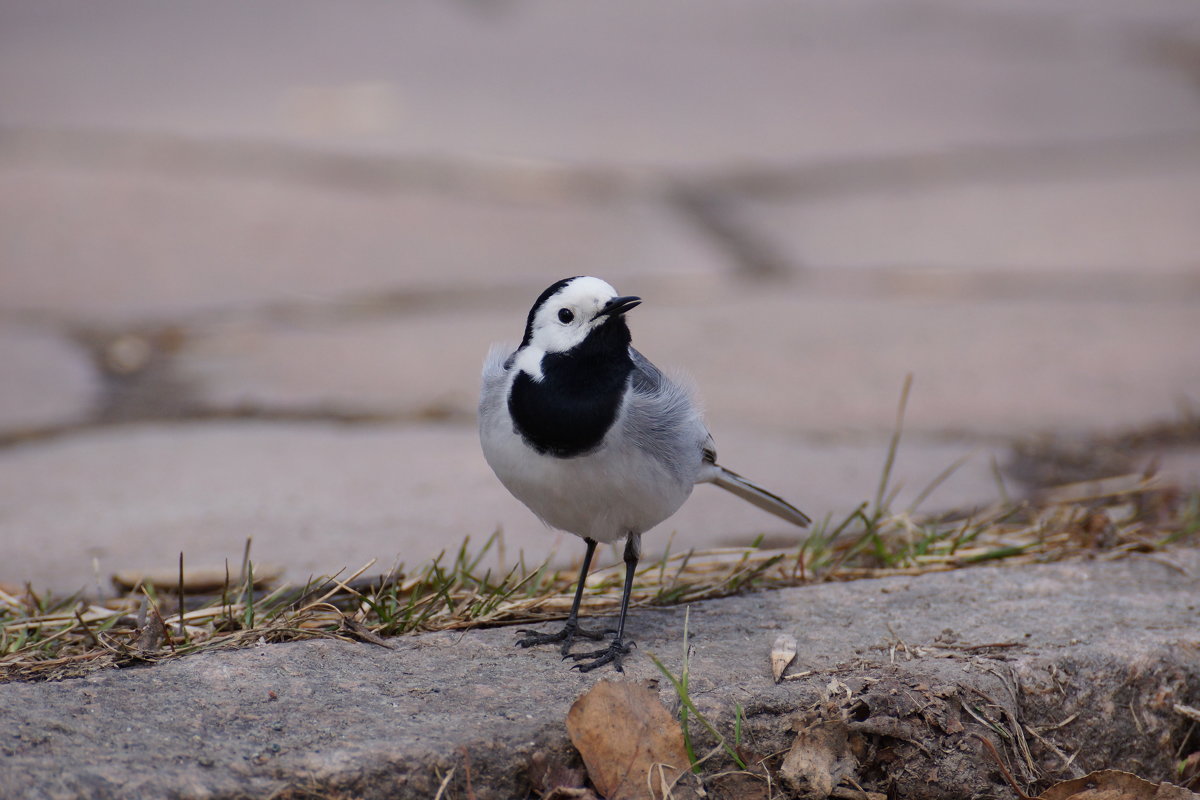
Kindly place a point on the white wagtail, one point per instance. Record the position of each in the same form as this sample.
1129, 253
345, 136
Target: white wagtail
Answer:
595, 440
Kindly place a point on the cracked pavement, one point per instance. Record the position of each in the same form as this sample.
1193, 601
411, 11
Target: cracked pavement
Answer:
247, 288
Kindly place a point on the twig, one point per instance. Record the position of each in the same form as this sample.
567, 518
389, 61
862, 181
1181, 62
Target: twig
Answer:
182, 631
991, 748
446, 780
87, 629
467, 767
1191, 713
1057, 725
1133, 713
342, 584
1053, 748
1183, 742
992, 645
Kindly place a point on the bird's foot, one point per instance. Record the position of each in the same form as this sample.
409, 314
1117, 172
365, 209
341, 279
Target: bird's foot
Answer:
598, 658
566, 636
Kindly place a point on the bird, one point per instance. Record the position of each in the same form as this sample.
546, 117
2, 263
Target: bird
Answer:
596, 440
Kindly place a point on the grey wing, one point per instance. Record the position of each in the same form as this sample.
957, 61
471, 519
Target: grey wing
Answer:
662, 419
495, 378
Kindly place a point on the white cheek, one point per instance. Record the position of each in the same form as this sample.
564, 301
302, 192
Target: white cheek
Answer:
554, 337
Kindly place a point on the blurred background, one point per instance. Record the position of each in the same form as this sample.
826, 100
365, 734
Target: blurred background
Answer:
252, 255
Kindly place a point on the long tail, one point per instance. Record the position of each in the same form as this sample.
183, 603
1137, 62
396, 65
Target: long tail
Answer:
753, 493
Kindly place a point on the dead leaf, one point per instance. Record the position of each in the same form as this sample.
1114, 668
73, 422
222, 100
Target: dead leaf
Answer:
1191, 713
151, 636
1112, 784
783, 653
819, 758
629, 742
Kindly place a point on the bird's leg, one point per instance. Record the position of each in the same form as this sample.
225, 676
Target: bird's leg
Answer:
571, 630
618, 648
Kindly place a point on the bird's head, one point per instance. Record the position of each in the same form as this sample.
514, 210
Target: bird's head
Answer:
573, 309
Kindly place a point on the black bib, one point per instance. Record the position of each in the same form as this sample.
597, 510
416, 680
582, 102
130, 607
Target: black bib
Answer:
571, 409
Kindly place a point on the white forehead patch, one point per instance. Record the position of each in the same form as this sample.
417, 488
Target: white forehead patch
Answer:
587, 290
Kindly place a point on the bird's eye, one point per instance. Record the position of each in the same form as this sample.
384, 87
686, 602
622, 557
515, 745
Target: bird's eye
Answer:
565, 316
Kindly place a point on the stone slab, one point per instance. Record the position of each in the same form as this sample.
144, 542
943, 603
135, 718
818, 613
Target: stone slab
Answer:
408, 365
46, 380
125, 246
317, 498
1090, 648
1001, 367
1112, 218
783, 359
691, 84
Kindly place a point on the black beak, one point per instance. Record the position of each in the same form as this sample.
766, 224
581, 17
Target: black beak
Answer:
618, 305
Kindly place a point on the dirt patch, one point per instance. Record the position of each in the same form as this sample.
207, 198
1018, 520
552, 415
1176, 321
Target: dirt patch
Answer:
919, 732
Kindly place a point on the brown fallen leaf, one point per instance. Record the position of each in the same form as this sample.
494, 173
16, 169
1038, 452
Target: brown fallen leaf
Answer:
151, 635
1189, 771
629, 742
783, 653
1112, 784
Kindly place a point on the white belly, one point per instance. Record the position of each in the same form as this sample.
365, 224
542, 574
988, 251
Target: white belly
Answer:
604, 495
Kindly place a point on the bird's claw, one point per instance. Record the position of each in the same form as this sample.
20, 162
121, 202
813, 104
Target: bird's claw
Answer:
598, 658
566, 636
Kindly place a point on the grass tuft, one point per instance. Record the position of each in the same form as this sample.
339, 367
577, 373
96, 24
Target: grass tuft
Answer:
687, 706
47, 637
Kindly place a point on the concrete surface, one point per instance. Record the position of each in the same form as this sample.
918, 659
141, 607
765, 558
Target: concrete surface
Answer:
48, 379
351, 494
251, 257
901, 657
676, 84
